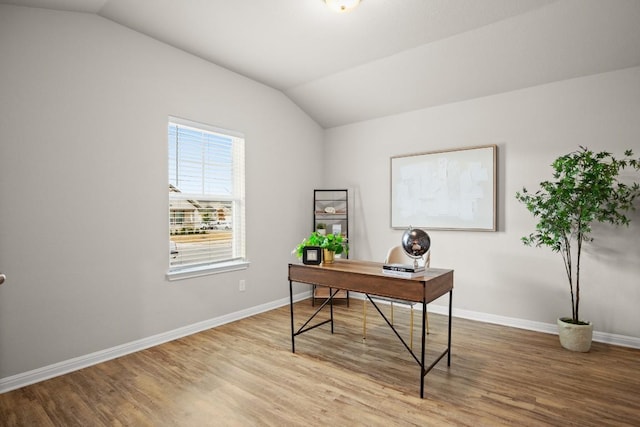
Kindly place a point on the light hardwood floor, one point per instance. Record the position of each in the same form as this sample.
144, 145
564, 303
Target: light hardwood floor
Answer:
244, 374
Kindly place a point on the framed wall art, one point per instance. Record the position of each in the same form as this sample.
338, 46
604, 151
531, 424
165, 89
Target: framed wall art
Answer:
449, 189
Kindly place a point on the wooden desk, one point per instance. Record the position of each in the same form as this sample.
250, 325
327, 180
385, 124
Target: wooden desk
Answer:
367, 277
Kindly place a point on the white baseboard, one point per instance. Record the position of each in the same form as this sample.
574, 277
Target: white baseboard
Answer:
549, 328
530, 325
36, 375
66, 366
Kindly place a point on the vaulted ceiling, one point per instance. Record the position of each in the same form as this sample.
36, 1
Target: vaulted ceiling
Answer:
387, 56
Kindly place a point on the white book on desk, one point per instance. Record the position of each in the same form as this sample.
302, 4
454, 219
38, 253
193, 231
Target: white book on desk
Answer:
403, 274
403, 267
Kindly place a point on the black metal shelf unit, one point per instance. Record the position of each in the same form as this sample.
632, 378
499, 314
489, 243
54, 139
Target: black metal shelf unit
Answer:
331, 214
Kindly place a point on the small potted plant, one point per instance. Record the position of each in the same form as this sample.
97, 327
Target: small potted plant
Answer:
321, 228
331, 245
586, 189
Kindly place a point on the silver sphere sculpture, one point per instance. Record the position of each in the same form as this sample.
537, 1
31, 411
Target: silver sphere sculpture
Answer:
415, 243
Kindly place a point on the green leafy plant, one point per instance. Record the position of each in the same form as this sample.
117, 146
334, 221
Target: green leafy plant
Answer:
585, 189
333, 242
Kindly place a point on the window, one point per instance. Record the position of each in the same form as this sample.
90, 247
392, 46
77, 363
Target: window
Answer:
206, 200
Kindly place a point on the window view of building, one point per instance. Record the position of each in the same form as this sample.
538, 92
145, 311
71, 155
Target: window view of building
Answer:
206, 196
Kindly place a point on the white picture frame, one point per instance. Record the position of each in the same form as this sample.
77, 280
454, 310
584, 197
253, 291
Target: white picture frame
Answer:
448, 189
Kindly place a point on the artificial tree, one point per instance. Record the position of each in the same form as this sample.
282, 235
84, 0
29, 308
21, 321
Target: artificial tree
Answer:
586, 189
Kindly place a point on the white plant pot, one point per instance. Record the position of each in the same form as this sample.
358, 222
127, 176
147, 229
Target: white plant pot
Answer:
575, 337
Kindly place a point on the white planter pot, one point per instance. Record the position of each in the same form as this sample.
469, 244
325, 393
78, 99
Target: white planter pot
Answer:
575, 337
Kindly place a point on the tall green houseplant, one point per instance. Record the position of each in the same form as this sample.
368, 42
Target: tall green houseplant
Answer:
586, 189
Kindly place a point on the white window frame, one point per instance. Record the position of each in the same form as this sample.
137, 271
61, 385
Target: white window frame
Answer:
238, 259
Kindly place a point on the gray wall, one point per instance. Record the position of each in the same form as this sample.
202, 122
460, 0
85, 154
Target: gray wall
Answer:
83, 189
83, 185
495, 274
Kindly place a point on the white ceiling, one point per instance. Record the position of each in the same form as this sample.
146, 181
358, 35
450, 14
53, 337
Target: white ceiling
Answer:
387, 56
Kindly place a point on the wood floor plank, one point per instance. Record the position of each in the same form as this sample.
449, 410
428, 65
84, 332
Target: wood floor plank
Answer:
244, 374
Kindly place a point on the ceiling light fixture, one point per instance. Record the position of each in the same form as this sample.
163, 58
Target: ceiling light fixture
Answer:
342, 6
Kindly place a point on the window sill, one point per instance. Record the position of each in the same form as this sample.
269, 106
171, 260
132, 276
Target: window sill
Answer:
223, 267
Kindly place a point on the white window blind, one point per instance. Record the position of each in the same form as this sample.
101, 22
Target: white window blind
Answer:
206, 198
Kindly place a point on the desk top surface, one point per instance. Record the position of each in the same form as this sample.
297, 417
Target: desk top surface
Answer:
369, 267
367, 277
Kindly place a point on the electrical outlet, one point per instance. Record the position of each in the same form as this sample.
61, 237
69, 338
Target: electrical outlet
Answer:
242, 285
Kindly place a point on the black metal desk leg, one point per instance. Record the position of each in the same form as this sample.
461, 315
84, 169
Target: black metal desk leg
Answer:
293, 335
331, 307
450, 316
422, 371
